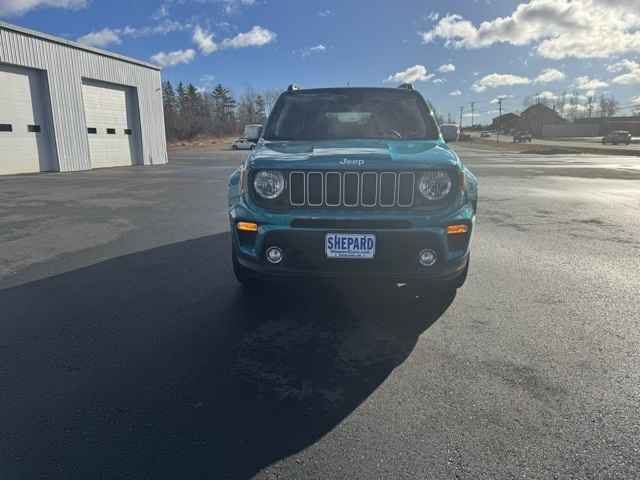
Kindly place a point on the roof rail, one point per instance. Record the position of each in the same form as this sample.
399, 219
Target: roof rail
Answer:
293, 88
406, 86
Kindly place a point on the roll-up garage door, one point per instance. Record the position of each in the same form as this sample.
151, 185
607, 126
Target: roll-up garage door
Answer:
25, 144
111, 113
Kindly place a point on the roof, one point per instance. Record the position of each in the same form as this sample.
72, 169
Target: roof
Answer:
76, 45
347, 89
542, 108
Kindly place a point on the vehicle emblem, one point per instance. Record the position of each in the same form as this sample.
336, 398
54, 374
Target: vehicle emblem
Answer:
346, 162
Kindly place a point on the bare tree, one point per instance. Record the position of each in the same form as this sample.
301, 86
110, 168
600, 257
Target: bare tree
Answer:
561, 103
270, 97
590, 104
608, 106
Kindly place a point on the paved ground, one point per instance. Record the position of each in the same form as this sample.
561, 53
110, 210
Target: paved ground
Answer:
128, 351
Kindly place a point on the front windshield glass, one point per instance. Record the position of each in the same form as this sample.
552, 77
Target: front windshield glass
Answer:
351, 114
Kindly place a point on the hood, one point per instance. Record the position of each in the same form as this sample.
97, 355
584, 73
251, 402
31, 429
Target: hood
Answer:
354, 155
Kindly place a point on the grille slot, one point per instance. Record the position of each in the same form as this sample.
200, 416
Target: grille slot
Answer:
352, 189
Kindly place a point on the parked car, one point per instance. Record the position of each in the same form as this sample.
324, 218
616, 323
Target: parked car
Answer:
485, 134
243, 144
522, 137
450, 132
617, 136
352, 182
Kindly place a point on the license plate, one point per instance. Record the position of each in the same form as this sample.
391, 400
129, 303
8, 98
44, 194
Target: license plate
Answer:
350, 245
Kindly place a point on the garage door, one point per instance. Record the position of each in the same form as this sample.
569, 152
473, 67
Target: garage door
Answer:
110, 113
25, 144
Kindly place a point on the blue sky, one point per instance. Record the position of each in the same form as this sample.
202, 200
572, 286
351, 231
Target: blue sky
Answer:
542, 47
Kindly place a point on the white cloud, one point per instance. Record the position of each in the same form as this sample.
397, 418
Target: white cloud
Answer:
547, 95
556, 28
101, 38
256, 37
113, 36
162, 12
439, 81
590, 84
496, 80
204, 41
174, 58
549, 75
448, 68
636, 100
9, 8
433, 16
320, 48
231, 6
162, 28
455, 93
417, 73
500, 97
325, 13
631, 75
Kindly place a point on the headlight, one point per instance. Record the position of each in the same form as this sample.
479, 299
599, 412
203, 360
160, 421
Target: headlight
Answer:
268, 184
435, 185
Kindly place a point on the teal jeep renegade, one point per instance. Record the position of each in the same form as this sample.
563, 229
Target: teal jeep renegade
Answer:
352, 182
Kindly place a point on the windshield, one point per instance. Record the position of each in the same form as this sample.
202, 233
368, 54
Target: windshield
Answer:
351, 114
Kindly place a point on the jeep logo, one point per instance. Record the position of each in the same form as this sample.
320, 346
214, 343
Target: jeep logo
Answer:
351, 163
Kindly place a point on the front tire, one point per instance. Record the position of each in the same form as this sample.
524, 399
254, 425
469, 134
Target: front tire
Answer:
250, 280
448, 288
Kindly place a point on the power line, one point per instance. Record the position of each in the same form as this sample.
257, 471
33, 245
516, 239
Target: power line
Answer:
499, 119
473, 108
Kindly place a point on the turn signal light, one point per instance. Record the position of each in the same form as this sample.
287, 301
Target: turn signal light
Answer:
457, 229
247, 227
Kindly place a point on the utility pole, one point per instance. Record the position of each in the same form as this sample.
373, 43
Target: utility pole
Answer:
461, 110
499, 119
473, 108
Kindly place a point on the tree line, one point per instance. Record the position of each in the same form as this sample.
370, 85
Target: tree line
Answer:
574, 106
190, 112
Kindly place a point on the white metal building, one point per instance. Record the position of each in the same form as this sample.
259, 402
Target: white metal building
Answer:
66, 107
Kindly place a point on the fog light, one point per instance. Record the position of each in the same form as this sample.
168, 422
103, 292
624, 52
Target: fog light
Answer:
427, 258
274, 255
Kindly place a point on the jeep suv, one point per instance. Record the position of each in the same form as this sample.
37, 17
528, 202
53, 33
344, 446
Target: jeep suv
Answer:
352, 182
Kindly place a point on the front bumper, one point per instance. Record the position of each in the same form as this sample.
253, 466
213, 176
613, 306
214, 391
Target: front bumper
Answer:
399, 239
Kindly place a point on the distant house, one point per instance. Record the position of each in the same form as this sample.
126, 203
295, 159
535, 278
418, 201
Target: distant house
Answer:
534, 118
508, 121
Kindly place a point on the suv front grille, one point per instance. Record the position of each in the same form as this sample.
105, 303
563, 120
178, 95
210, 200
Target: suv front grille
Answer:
352, 189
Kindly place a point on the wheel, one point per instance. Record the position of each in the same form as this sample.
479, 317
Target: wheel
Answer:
445, 289
249, 279
252, 147
460, 280
234, 147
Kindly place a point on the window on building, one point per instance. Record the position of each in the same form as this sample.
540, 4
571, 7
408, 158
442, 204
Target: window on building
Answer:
33, 128
6, 127
111, 131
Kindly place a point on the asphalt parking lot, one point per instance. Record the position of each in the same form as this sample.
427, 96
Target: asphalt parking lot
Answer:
127, 350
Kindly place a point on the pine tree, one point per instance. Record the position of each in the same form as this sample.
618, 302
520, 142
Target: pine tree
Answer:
170, 105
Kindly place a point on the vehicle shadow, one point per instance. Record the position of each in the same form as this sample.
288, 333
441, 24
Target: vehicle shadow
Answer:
157, 365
